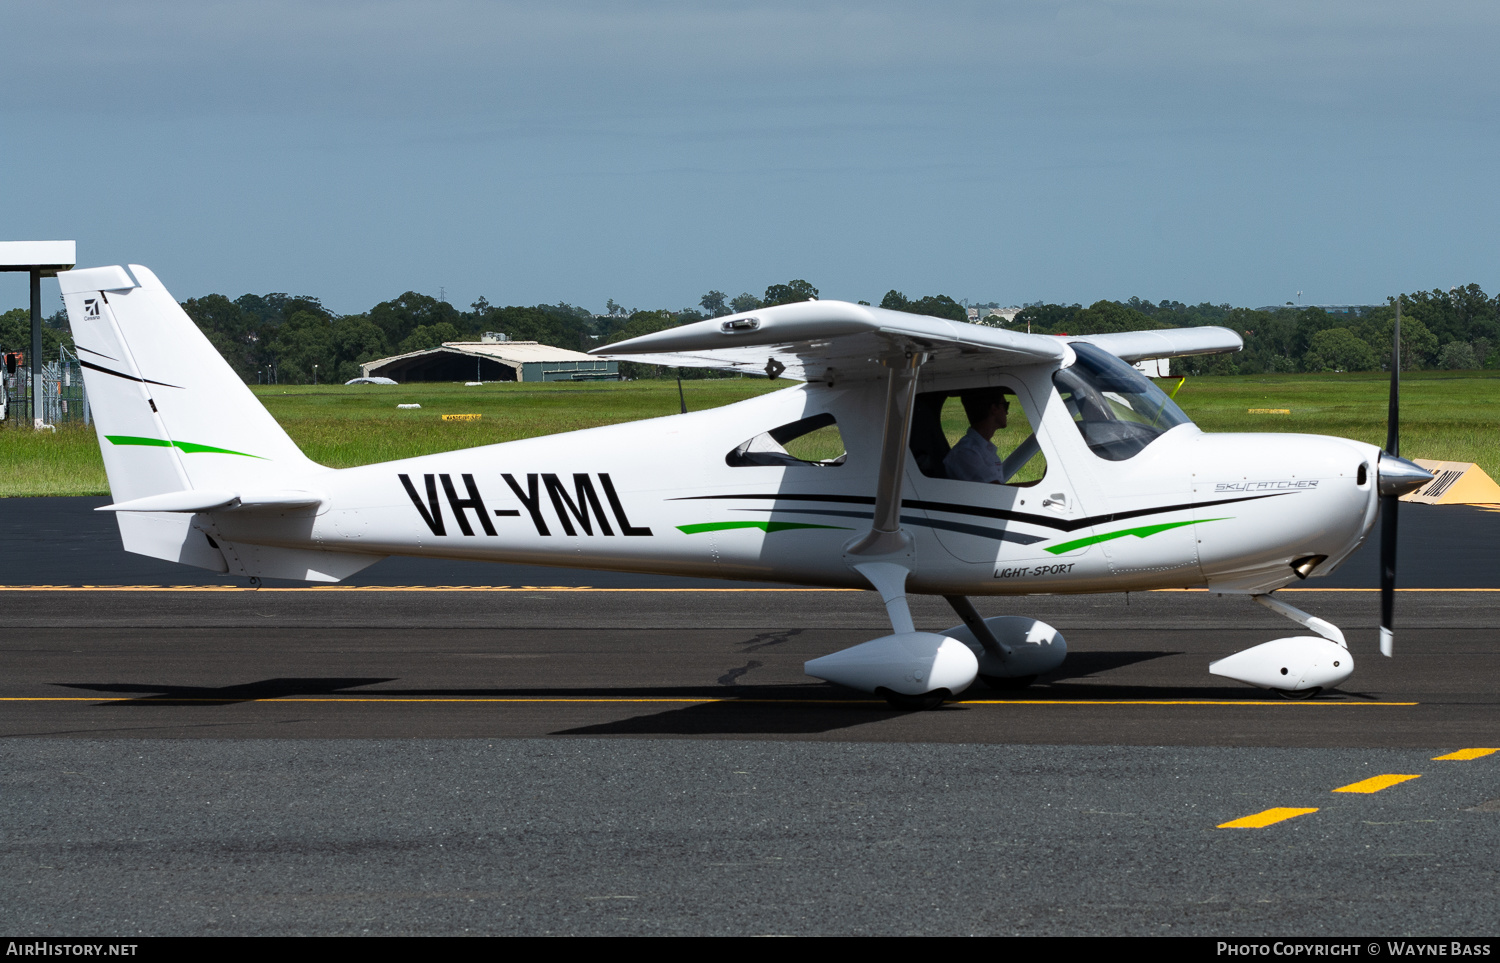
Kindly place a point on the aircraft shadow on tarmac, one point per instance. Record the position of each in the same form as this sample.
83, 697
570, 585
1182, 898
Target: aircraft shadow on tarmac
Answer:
750, 715
1079, 665
194, 695
727, 709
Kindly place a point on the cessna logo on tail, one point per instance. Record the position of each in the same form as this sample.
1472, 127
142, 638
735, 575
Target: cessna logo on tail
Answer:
575, 509
91, 307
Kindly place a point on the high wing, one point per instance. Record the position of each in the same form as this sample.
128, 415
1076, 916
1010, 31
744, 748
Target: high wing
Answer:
836, 340
829, 340
1165, 342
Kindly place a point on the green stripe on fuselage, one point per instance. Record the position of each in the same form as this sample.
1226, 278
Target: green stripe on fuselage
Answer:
1145, 531
187, 447
763, 526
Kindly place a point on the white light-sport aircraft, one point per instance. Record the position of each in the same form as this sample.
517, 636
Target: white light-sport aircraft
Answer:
1128, 496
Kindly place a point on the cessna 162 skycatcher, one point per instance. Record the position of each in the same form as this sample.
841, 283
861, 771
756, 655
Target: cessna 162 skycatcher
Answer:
1129, 494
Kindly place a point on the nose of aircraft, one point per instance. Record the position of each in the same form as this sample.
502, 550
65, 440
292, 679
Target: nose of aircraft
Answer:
1397, 476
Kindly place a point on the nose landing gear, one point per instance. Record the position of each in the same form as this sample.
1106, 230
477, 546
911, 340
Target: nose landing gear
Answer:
1294, 668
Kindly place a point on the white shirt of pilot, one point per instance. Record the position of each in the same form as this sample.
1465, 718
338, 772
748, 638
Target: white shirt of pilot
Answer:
974, 459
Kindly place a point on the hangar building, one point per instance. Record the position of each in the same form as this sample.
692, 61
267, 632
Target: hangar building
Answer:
493, 359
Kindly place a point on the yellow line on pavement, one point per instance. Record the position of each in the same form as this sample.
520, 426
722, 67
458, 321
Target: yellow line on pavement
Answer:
1262, 819
1463, 755
1377, 783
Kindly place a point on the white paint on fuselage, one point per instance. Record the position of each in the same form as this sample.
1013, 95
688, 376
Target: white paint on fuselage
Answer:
671, 472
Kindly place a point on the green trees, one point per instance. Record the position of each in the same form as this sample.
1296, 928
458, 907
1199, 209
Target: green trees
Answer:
789, 293
356, 340
1101, 317
231, 329
641, 323
745, 302
1458, 314
15, 334
1458, 355
1458, 328
426, 336
933, 305
398, 318
562, 326
714, 302
245, 331
304, 340
1337, 349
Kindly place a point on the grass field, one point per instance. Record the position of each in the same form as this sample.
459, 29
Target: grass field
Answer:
1445, 415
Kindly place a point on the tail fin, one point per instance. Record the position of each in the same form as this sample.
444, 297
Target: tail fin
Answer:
172, 416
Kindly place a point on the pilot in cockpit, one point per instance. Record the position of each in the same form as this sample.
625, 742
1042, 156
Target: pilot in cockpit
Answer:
974, 457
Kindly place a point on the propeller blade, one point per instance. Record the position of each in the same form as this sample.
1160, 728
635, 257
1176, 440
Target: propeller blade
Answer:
1388, 505
1389, 502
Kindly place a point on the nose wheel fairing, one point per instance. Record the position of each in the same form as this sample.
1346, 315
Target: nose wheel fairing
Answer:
1294, 664
1300, 665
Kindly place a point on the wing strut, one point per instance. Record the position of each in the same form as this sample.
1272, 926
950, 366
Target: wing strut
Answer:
883, 555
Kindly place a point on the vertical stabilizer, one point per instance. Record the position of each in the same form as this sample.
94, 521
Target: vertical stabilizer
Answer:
170, 412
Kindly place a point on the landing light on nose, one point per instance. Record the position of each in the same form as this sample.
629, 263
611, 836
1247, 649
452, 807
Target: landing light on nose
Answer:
1397, 476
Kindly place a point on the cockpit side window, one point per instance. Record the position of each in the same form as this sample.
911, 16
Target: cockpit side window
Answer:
942, 422
812, 441
1116, 408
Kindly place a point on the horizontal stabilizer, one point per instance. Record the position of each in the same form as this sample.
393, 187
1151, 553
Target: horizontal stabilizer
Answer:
207, 500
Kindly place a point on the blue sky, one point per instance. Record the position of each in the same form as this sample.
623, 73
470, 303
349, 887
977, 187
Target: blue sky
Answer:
650, 151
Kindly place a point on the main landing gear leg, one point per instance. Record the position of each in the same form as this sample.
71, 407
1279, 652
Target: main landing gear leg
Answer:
909, 669
995, 651
889, 579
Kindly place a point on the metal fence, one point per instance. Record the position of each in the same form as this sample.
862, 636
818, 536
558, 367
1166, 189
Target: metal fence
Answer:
60, 389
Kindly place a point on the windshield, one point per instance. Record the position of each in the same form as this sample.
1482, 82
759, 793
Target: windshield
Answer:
1117, 409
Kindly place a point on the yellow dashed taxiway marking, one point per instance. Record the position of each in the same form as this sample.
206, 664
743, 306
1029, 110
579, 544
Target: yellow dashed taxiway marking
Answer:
1267, 818
1377, 783
1464, 755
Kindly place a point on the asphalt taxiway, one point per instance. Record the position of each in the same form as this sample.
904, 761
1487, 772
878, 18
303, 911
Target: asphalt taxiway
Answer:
529, 663
619, 754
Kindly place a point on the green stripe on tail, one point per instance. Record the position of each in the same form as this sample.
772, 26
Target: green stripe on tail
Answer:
187, 447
